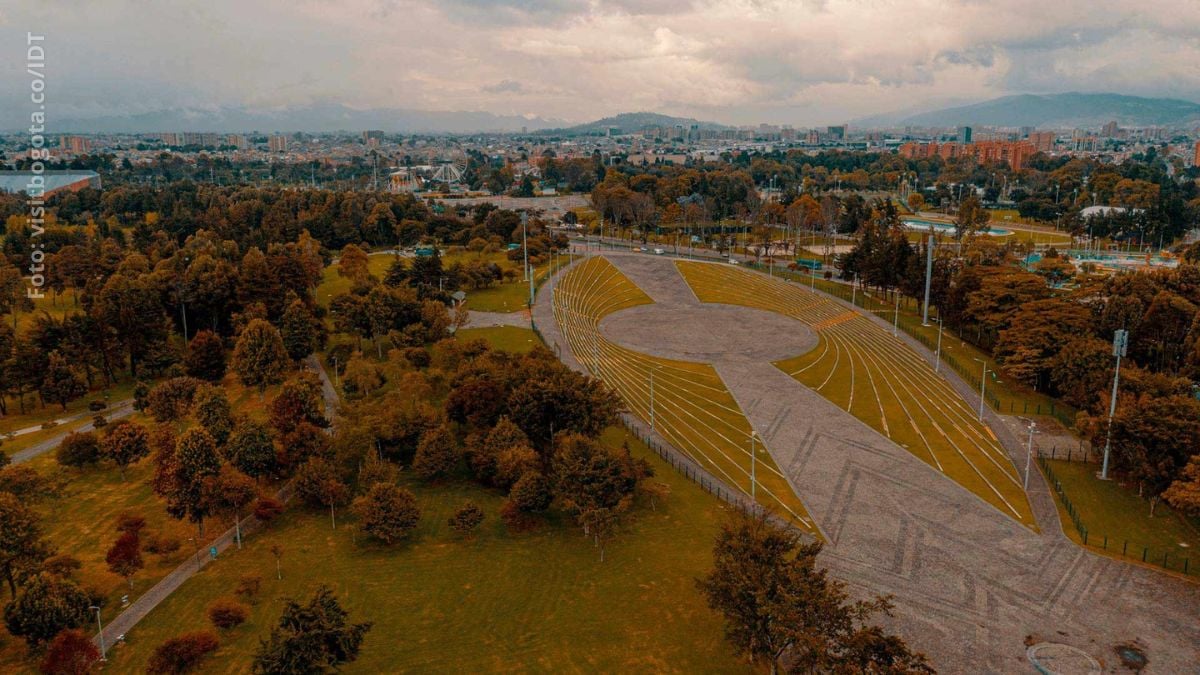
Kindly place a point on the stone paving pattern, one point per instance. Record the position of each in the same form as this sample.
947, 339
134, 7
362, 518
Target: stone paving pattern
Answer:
969, 582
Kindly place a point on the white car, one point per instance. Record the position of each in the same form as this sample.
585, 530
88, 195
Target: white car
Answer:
732, 261
659, 251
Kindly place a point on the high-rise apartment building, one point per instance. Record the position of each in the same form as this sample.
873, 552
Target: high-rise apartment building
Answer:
1110, 130
277, 143
1196, 159
964, 135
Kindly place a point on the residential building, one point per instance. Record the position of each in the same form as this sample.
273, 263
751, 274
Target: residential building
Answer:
964, 135
277, 143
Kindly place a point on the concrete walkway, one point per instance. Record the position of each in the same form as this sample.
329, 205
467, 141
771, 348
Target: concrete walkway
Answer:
970, 583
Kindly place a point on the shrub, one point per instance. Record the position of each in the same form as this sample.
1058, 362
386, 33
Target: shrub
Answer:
248, 587
164, 545
225, 613
267, 508
78, 450
71, 652
417, 356
467, 518
182, 654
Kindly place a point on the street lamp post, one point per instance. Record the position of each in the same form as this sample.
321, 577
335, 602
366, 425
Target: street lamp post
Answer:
896, 316
928, 277
753, 468
100, 631
1120, 342
983, 387
1029, 454
937, 363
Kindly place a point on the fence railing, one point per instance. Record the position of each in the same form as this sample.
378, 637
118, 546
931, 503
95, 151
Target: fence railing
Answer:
1165, 558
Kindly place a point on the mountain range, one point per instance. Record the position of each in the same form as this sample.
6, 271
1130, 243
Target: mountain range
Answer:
316, 118
633, 122
1050, 111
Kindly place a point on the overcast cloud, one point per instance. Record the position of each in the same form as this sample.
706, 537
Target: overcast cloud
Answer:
735, 61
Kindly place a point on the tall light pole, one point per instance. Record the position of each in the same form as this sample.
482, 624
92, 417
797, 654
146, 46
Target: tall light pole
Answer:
983, 386
525, 242
937, 363
896, 316
928, 277
753, 467
1029, 454
1120, 342
100, 630
651, 399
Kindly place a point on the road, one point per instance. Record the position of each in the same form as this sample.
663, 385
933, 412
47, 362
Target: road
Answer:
119, 410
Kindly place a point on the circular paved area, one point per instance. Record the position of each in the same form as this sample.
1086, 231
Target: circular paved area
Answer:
709, 333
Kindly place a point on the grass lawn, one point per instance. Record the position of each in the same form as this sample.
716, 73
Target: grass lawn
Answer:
1114, 510
78, 519
507, 338
864, 370
536, 601
692, 410
1004, 394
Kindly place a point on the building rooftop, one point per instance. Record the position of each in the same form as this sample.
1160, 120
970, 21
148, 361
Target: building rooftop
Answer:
18, 181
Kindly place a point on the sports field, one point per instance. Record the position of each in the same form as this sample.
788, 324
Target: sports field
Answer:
876, 377
692, 409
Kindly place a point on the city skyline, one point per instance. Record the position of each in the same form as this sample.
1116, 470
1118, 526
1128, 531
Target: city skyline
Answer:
730, 62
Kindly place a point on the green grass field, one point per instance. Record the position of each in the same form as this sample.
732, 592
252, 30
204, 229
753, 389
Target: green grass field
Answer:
1118, 521
874, 376
506, 338
538, 601
693, 410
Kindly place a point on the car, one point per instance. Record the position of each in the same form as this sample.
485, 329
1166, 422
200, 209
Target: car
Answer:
659, 251
642, 249
732, 261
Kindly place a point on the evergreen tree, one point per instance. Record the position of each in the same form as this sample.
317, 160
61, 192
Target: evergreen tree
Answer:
45, 606
313, 638
205, 357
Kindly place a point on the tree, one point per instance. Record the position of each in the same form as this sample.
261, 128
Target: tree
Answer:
210, 407
225, 613
22, 548
251, 448
1036, 334
313, 638
181, 475
437, 453
300, 400
125, 557
374, 470
354, 264
302, 333
1153, 438
205, 357
46, 606
482, 457
171, 399
126, 443
1184, 493
775, 600
78, 449
182, 653
317, 483
466, 519
71, 652
259, 358
229, 493
387, 512
62, 383
971, 218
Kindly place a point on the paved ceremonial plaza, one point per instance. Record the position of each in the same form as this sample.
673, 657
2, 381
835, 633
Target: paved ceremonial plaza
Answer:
843, 428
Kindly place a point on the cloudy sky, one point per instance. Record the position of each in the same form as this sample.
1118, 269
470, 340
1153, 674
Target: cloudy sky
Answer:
734, 61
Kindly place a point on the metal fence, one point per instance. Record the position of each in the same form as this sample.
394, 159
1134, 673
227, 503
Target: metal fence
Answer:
1156, 556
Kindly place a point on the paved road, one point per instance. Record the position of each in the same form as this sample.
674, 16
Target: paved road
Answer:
520, 319
970, 583
144, 604
115, 411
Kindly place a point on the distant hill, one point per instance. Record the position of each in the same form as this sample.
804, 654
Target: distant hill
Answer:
1062, 110
630, 123
317, 118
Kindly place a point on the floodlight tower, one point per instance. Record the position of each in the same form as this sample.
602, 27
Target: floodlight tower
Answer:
1120, 343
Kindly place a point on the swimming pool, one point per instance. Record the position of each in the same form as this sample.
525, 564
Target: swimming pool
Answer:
918, 224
